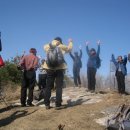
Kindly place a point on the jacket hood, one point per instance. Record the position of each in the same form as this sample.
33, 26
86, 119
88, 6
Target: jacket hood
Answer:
55, 42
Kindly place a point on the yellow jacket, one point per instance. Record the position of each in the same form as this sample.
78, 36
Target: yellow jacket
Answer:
64, 49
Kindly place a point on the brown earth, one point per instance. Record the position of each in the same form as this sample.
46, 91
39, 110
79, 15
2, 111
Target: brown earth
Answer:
75, 117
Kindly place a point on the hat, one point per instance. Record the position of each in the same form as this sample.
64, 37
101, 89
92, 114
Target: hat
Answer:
58, 39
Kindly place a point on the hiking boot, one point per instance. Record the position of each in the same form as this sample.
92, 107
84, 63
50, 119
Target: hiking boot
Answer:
125, 93
23, 105
30, 104
92, 91
60, 107
48, 107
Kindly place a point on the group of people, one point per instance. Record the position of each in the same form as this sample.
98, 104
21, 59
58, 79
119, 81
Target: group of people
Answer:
52, 71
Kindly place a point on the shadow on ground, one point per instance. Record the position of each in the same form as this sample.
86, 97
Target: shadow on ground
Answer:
14, 116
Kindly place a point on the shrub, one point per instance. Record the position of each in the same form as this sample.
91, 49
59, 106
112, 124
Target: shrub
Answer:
10, 73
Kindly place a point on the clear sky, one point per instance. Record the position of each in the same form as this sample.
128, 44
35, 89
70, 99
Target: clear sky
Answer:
32, 23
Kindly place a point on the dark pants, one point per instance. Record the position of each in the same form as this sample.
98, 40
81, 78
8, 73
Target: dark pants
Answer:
42, 81
57, 77
121, 82
28, 82
91, 73
76, 74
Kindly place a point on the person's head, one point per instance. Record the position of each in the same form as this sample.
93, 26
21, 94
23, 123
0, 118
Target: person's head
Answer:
33, 51
58, 39
92, 51
42, 61
119, 59
76, 53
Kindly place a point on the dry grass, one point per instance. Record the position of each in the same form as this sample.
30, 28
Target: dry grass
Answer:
79, 117
11, 92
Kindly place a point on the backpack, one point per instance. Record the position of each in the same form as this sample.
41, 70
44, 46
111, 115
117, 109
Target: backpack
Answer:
98, 62
121, 120
54, 57
1, 61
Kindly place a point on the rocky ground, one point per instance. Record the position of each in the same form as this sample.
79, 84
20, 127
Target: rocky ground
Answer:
84, 111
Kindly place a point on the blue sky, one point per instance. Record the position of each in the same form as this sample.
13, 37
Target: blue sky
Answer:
32, 23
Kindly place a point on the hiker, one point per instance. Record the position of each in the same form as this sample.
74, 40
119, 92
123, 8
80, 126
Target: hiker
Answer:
42, 80
55, 66
29, 63
121, 72
92, 65
42, 76
77, 65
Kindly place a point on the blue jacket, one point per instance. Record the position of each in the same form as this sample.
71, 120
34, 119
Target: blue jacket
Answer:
122, 64
92, 60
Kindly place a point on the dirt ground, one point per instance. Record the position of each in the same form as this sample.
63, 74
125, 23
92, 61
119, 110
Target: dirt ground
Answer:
74, 117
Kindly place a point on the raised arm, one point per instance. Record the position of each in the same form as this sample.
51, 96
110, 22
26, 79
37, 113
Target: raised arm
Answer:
98, 50
114, 60
68, 48
87, 49
80, 54
71, 55
125, 60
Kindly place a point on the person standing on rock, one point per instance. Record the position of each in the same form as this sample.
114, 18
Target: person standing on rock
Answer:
77, 65
55, 66
94, 62
29, 63
121, 72
42, 76
42, 80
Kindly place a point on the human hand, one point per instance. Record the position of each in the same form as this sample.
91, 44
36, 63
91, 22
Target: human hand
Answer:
112, 55
70, 40
87, 43
99, 42
80, 47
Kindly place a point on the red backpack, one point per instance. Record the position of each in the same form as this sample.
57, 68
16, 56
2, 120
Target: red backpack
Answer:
1, 62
